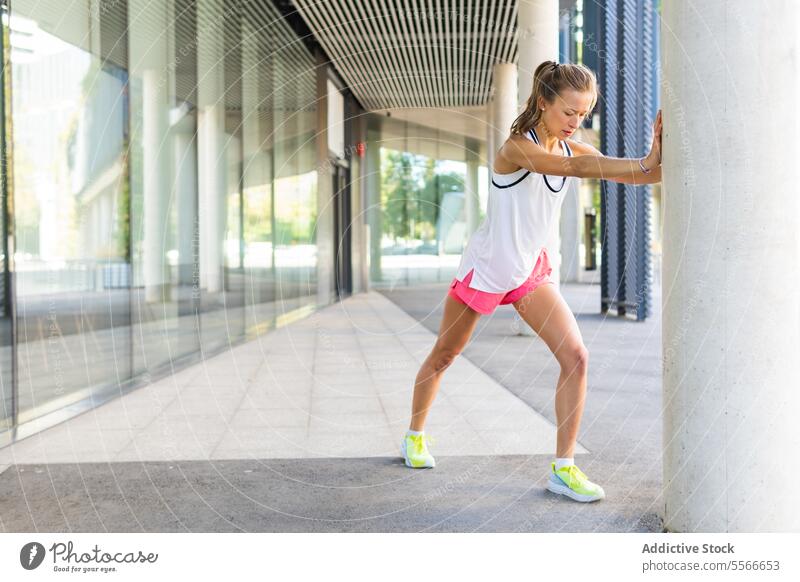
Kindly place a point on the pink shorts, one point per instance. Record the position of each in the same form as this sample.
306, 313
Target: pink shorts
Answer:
485, 303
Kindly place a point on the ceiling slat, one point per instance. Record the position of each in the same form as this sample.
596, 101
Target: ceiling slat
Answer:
487, 60
351, 63
415, 53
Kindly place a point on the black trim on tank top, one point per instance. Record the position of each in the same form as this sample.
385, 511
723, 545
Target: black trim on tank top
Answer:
525, 175
569, 154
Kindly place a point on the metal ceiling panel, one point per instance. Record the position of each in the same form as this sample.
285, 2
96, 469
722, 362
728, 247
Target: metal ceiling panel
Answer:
415, 53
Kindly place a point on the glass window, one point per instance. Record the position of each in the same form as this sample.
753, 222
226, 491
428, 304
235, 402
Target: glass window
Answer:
295, 184
71, 196
163, 185
164, 174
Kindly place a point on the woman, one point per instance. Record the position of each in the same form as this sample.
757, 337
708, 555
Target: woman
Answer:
506, 261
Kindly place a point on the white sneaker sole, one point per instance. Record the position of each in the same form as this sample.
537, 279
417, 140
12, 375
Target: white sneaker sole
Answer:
564, 490
408, 463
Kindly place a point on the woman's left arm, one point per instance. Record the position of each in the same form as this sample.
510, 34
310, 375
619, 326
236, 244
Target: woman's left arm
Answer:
652, 161
653, 177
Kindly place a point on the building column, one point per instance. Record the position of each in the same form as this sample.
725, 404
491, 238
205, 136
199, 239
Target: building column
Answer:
185, 192
255, 163
504, 102
472, 203
149, 65
212, 160
490, 145
537, 22
325, 193
731, 243
374, 210
570, 233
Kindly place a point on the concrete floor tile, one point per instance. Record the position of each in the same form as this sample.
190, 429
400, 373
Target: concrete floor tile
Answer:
253, 443
358, 388
346, 405
371, 443
270, 417
280, 400
115, 416
320, 421
182, 408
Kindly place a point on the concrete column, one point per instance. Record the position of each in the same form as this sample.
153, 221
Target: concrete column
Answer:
210, 142
472, 202
491, 148
570, 234
325, 213
155, 154
504, 102
374, 210
731, 239
537, 21
149, 66
253, 101
185, 192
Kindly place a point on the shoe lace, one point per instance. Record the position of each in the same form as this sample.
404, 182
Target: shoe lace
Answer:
420, 442
576, 474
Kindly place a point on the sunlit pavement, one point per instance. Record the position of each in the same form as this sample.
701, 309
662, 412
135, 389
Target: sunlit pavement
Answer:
299, 431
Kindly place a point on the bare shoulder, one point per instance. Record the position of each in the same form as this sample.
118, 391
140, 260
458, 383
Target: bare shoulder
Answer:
516, 138
582, 148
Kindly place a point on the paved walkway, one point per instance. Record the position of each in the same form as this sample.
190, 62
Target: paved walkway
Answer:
336, 384
299, 431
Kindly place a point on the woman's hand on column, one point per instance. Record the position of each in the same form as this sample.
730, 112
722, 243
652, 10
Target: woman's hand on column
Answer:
653, 159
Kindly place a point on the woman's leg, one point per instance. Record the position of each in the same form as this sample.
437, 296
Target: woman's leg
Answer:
457, 326
551, 318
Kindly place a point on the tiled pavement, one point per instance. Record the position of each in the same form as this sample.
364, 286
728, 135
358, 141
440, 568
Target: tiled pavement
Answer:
299, 431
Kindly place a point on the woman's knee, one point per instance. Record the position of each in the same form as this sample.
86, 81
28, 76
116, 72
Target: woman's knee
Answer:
574, 358
441, 357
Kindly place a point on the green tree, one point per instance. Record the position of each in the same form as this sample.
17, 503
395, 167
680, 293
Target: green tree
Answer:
411, 194
398, 186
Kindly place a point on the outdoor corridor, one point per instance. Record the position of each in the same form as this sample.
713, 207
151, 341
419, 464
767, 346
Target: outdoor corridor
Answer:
300, 430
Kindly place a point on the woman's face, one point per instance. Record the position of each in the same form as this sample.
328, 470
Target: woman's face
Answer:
564, 116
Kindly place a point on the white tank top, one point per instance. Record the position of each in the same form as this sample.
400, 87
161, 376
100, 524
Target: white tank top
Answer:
521, 210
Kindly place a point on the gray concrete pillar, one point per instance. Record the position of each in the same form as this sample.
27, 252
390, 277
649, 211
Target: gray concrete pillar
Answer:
731, 310
472, 203
374, 209
491, 148
537, 21
325, 193
255, 163
504, 102
212, 160
185, 195
148, 59
156, 155
570, 235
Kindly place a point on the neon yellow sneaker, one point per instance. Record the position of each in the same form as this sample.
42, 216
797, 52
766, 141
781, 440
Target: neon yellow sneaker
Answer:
572, 482
415, 452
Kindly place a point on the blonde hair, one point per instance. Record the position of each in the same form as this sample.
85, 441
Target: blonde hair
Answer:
549, 80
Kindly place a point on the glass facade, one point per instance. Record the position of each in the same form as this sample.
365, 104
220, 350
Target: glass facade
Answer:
167, 195
432, 189
163, 173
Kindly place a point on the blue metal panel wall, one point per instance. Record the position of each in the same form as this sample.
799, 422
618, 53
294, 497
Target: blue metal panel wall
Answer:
626, 65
